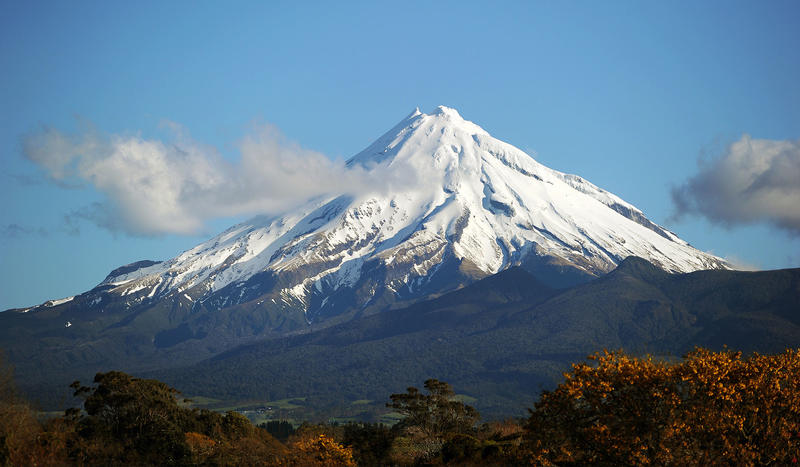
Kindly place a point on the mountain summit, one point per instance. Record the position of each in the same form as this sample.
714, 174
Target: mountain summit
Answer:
470, 205
448, 205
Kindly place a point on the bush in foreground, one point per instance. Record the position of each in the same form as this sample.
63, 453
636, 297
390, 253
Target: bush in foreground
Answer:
710, 408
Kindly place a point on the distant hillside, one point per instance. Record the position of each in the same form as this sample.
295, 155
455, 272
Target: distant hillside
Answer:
506, 337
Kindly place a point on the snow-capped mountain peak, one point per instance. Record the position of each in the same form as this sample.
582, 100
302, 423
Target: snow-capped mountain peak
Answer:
476, 206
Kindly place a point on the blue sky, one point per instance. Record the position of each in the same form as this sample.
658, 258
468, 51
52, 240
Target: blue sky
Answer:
630, 95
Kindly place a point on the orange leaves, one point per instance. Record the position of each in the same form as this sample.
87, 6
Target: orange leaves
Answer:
321, 450
200, 445
711, 407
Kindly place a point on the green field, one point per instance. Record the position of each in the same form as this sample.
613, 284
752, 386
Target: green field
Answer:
469, 400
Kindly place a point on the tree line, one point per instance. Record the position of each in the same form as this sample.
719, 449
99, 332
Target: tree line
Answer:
709, 408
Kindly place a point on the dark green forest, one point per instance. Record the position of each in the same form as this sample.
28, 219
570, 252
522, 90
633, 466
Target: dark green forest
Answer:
507, 337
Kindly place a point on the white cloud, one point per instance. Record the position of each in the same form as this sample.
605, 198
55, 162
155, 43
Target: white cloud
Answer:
756, 180
154, 187
741, 264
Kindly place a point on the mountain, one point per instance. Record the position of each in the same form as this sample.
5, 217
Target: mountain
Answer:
477, 206
503, 339
450, 205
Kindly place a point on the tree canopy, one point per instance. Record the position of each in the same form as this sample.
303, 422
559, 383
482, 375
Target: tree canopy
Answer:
709, 408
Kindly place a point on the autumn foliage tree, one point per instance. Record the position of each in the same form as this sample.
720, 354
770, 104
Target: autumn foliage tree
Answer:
711, 408
22, 439
319, 451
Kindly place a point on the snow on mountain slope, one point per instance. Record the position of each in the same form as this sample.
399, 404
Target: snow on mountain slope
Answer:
478, 206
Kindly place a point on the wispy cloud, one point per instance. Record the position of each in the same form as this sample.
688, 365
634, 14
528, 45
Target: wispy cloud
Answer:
154, 187
19, 231
14, 231
25, 179
742, 264
755, 180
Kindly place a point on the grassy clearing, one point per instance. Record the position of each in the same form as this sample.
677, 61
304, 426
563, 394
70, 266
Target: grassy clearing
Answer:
294, 410
465, 399
202, 401
218, 405
391, 418
287, 404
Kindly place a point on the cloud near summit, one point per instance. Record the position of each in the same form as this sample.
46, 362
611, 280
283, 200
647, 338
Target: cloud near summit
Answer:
755, 180
153, 187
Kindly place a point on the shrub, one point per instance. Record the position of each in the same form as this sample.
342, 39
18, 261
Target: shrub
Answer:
710, 408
